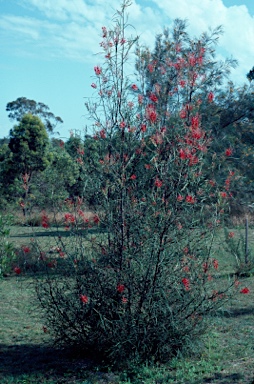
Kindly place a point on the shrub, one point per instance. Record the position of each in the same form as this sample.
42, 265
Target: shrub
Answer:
140, 275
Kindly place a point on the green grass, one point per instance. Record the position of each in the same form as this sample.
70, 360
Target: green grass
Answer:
27, 356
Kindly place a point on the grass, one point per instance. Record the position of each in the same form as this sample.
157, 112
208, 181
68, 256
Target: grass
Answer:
27, 356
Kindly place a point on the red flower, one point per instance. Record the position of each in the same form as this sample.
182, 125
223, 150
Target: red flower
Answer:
17, 270
186, 283
231, 234
228, 152
190, 199
182, 154
134, 87
120, 288
223, 194
96, 219
158, 183
151, 114
245, 291
102, 134
205, 267
97, 70
153, 98
183, 114
26, 249
143, 128
215, 264
133, 177
45, 221
179, 198
124, 300
84, 299
93, 85
210, 97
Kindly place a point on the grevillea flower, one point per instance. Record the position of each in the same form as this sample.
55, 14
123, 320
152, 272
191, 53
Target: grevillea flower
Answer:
183, 114
44, 220
124, 300
215, 264
143, 128
231, 234
84, 299
151, 114
186, 283
26, 249
158, 183
153, 98
133, 177
179, 198
182, 154
228, 152
97, 70
120, 288
140, 99
210, 97
134, 87
190, 199
96, 219
245, 291
223, 195
17, 270
102, 134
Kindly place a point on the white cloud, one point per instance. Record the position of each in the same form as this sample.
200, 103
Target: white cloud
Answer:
71, 28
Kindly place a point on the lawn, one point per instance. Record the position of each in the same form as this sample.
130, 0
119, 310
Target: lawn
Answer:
27, 356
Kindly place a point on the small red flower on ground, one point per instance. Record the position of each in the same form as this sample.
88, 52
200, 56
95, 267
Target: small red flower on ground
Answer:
228, 152
245, 291
26, 249
17, 270
124, 300
84, 299
120, 288
231, 235
133, 177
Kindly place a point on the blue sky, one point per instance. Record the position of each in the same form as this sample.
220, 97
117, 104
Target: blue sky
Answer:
48, 47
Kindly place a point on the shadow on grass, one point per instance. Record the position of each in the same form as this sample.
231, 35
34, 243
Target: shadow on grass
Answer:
58, 233
224, 378
236, 312
17, 360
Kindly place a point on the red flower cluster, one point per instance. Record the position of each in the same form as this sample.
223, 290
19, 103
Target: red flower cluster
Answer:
186, 283
44, 220
120, 288
97, 70
245, 291
17, 270
84, 299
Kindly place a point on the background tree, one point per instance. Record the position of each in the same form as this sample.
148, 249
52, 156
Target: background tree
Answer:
28, 146
18, 108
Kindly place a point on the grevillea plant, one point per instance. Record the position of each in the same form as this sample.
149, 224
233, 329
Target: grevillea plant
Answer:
138, 275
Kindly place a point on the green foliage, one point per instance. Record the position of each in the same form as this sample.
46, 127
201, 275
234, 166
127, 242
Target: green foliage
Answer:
7, 254
29, 144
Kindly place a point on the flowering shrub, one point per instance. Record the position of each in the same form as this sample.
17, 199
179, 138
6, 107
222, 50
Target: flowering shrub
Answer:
138, 279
